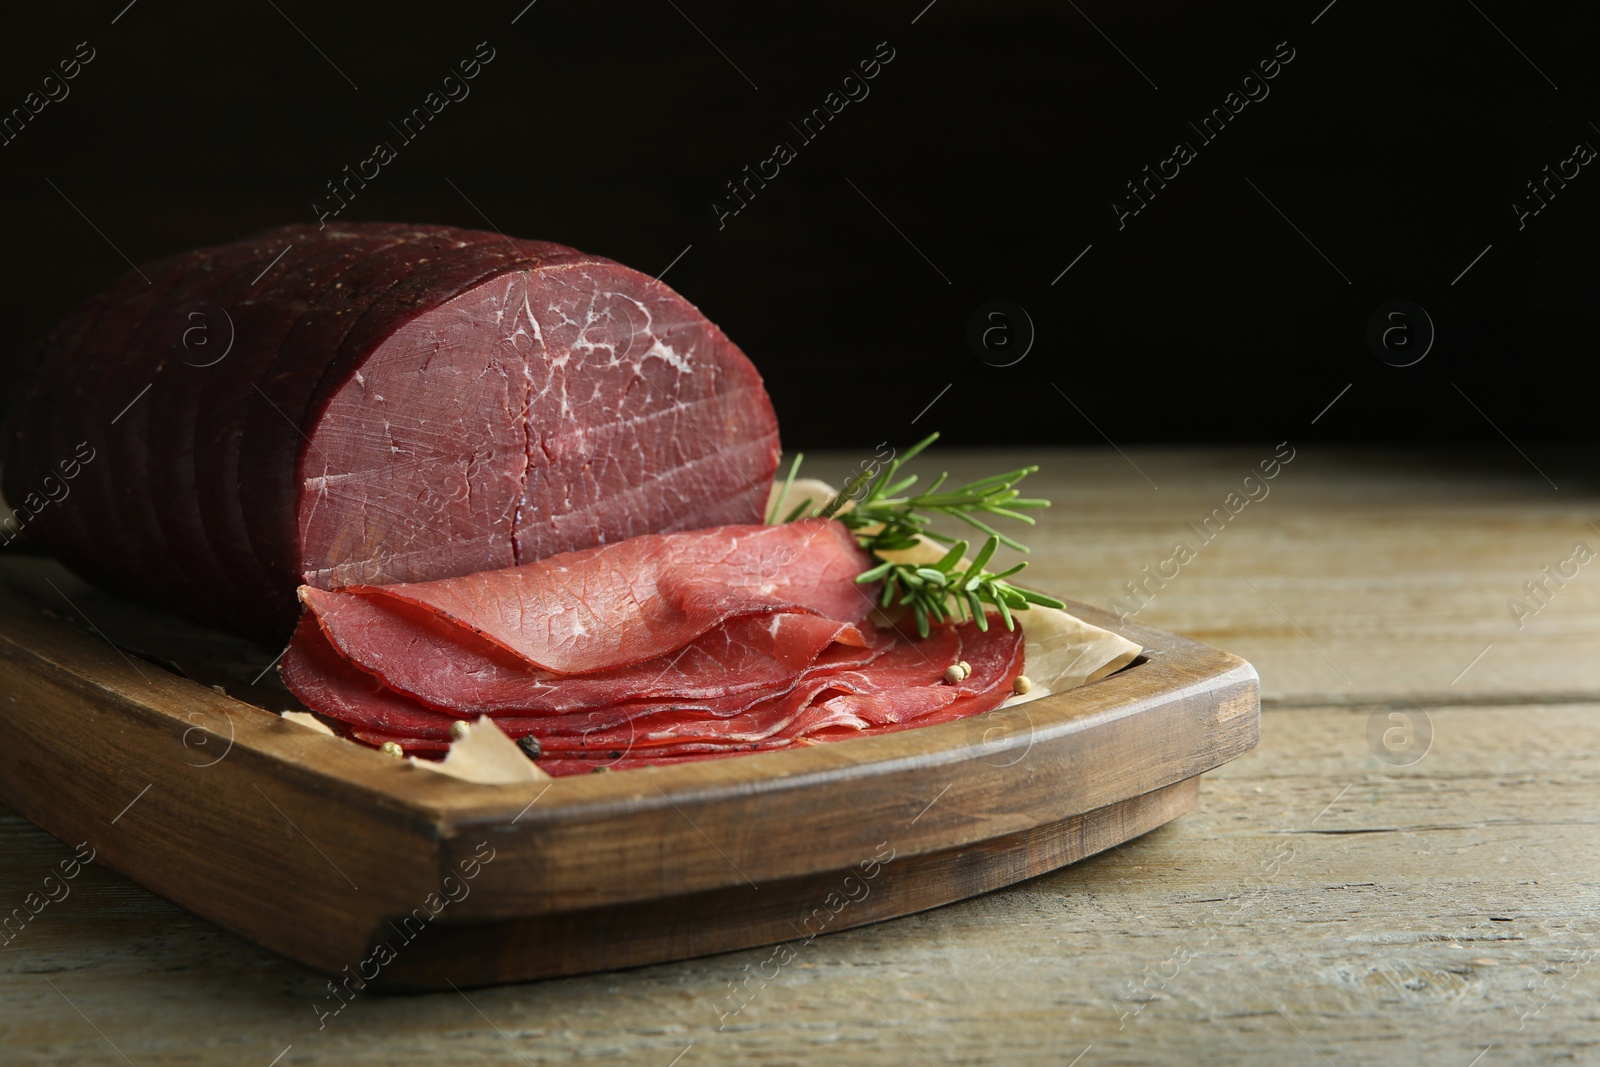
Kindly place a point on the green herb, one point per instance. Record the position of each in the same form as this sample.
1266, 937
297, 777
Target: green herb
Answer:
885, 520
800, 509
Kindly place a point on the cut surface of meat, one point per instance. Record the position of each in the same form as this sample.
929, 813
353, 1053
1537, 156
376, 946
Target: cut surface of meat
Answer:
396, 403
615, 605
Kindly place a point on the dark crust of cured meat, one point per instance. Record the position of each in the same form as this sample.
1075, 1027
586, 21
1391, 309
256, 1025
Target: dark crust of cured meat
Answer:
534, 400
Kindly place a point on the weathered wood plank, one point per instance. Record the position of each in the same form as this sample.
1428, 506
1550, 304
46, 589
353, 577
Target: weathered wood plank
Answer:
1393, 914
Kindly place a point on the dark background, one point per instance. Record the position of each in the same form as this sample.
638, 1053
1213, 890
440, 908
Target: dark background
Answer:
1396, 141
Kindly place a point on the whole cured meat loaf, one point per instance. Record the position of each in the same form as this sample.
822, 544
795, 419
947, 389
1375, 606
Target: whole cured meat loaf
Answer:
375, 403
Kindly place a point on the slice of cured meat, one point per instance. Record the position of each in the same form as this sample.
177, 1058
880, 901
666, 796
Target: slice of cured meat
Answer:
443, 666
903, 688
874, 704
911, 665
327, 682
375, 403
829, 700
608, 607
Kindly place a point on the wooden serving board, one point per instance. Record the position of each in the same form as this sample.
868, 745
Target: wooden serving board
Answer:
388, 876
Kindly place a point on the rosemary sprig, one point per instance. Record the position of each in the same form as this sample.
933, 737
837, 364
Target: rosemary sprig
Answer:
929, 589
788, 482
884, 520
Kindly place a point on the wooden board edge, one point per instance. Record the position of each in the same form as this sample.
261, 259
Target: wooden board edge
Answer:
787, 912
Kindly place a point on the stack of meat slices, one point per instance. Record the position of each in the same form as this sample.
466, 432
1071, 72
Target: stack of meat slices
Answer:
656, 649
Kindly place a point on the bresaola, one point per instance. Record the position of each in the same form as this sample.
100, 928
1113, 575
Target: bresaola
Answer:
399, 403
442, 667
501, 477
660, 648
616, 605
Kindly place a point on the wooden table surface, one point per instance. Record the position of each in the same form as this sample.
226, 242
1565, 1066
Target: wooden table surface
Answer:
1406, 870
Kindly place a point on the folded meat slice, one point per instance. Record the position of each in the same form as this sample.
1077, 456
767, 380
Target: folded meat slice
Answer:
995, 655
847, 692
328, 684
446, 667
319, 674
603, 608
657, 648
910, 665
905, 687
427, 748
879, 699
